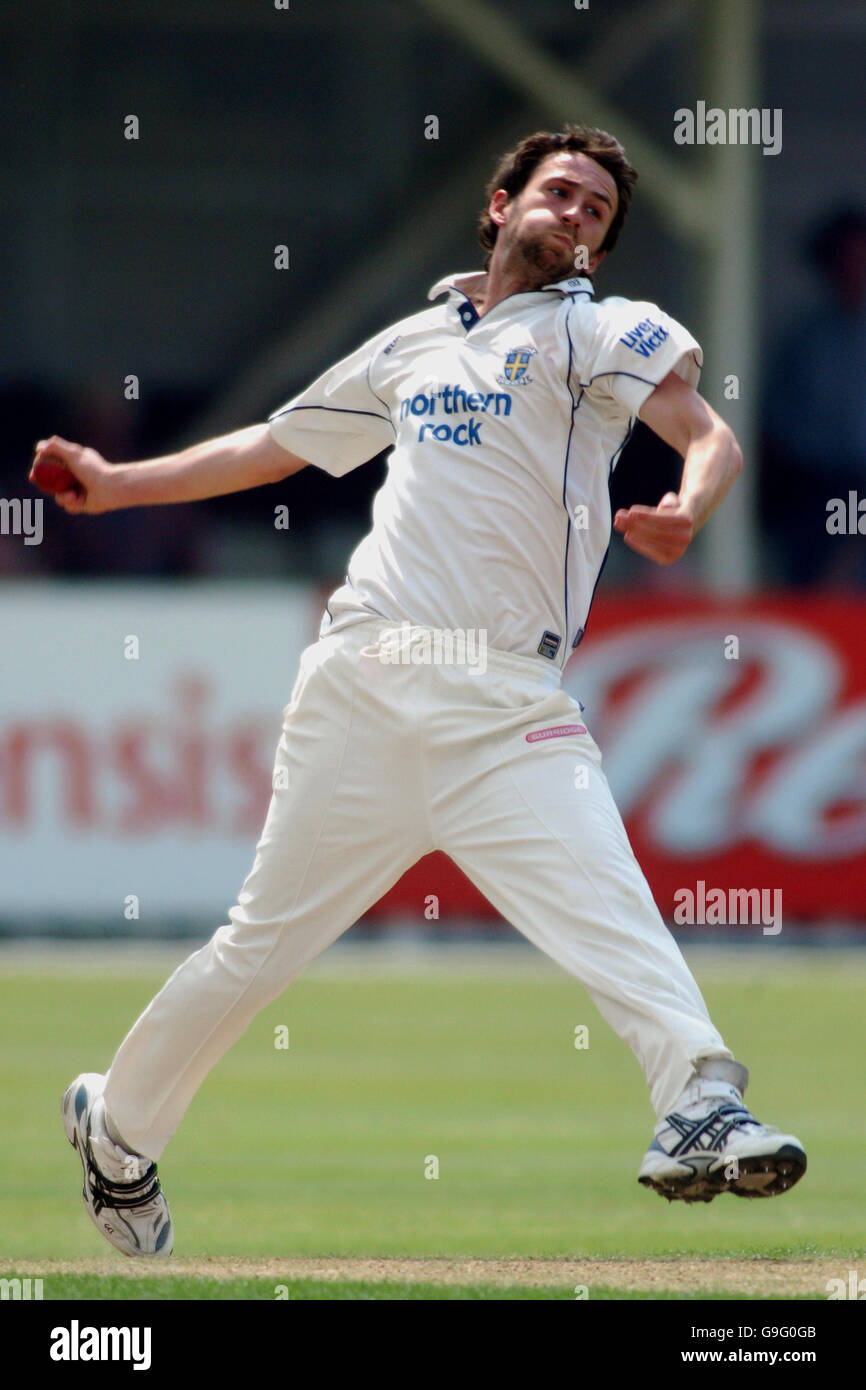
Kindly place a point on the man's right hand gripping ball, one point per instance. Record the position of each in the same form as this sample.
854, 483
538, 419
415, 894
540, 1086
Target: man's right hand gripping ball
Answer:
79, 479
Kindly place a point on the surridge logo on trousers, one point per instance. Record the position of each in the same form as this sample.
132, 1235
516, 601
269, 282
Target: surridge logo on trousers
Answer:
558, 731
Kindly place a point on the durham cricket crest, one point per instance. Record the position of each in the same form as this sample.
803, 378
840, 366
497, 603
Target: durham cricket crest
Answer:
515, 371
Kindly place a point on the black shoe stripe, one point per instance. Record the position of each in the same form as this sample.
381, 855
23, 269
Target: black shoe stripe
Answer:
714, 1127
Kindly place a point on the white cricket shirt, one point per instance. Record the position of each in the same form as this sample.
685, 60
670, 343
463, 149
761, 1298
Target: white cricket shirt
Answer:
495, 513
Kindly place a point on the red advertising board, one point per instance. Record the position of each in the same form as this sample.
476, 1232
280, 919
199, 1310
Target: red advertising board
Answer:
733, 734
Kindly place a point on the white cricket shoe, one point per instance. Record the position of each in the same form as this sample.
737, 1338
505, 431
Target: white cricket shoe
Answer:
710, 1143
121, 1190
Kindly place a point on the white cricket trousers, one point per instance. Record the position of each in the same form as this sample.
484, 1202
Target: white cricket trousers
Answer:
380, 762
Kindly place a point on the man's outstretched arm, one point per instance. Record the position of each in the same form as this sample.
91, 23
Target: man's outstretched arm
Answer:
711, 461
247, 458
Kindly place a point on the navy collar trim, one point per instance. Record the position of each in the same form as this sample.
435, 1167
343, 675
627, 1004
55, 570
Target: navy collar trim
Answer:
460, 287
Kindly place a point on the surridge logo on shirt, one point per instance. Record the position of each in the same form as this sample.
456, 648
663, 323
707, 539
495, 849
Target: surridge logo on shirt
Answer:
515, 371
645, 337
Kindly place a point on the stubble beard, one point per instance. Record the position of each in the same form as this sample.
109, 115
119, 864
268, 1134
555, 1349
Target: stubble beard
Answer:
539, 260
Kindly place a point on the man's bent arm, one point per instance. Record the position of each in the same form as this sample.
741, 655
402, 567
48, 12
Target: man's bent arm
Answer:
233, 462
711, 462
711, 455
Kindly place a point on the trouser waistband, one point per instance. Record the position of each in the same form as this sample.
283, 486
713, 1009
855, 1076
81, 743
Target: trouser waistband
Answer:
457, 646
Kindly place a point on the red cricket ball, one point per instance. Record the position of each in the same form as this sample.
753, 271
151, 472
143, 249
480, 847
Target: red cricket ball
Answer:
51, 475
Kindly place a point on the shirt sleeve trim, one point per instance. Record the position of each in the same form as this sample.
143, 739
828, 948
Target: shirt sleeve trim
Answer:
335, 409
633, 376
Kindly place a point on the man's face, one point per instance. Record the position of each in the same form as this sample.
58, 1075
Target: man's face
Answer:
569, 201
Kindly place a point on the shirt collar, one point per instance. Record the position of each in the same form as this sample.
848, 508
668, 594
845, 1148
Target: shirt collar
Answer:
469, 284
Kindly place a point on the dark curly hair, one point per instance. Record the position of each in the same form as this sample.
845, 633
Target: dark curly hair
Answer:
515, 169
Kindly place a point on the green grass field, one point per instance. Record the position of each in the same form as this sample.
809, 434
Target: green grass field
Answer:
305, 1168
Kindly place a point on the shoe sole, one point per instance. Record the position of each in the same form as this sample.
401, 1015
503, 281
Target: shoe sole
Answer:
769, 1176
764, 1175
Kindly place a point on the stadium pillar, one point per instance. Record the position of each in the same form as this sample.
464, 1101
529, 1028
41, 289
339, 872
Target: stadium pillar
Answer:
729, 41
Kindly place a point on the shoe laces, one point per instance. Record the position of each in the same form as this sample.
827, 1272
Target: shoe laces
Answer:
756, 1124
140, 1195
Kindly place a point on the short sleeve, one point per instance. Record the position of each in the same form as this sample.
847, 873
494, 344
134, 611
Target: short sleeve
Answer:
338, 422
632, 348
